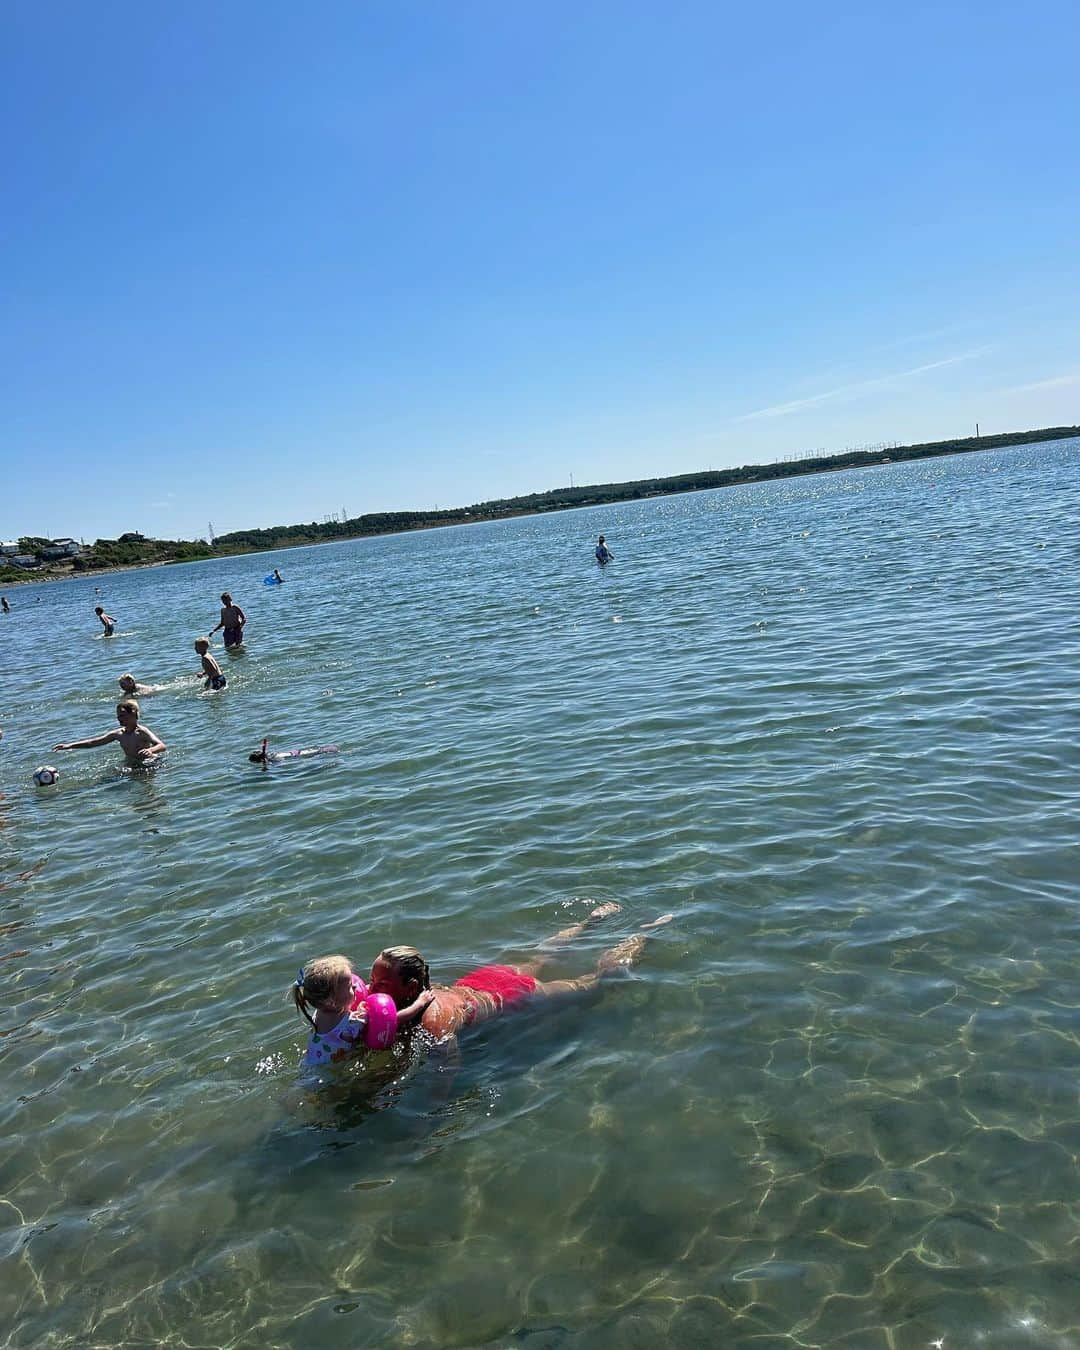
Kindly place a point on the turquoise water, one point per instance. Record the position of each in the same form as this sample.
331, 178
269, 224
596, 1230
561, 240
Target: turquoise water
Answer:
831, 722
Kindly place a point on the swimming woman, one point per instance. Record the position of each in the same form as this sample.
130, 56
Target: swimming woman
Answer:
487, 991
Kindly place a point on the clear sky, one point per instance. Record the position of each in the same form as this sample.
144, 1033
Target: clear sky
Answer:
263, 261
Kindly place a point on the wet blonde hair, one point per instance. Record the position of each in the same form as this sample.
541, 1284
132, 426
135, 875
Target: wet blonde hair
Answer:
202, 645
124, 679
129, 705
408, 964
318, 981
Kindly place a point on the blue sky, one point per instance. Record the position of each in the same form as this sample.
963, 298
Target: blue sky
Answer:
265, 261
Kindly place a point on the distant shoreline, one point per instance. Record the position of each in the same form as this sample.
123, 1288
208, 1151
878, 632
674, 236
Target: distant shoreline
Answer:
240, 542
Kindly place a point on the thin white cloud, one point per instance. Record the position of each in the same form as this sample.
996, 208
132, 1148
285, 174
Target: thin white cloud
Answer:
1057, 382
851, 390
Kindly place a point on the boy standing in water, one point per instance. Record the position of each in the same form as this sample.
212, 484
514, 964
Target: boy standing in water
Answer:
603, 553
107, 621
232, 620
138, 743
215, 679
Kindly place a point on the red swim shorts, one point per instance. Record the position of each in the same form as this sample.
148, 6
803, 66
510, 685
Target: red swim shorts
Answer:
504, 982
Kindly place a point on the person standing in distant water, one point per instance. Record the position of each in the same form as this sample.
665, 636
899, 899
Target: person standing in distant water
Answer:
232, 620
4, 604
107, 621
603, 553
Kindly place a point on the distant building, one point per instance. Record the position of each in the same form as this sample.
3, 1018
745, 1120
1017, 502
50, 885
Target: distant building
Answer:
61, 548
24, 560
9, 549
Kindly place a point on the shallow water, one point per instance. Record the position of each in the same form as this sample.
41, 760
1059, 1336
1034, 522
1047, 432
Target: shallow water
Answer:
831, 722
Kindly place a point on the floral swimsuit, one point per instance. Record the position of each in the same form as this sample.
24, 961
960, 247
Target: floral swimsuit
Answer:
330, 1047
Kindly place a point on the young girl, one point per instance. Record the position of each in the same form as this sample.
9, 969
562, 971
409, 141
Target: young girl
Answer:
337, 994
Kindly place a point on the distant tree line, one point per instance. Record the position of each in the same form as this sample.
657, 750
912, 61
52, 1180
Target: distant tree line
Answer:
597, 494
134, 548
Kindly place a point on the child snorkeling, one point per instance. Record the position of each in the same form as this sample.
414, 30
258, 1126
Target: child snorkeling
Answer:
266, 758
330, 986
215, 678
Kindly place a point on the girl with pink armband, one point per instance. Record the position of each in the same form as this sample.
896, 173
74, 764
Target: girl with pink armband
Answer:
347, 1017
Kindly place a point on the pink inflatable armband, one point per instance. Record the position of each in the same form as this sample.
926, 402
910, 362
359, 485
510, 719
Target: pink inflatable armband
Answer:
359, 991
381, 1021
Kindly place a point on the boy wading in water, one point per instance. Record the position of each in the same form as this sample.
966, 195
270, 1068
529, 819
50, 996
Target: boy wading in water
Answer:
138, 743
107, 621
210, 668
232, 620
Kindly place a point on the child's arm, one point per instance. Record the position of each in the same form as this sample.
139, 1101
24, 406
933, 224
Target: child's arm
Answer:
90, 743
156, 746
413, 1011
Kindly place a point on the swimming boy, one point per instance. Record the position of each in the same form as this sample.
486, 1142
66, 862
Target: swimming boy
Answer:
232, 620
107, 621
132, 688
138, 743
215, 679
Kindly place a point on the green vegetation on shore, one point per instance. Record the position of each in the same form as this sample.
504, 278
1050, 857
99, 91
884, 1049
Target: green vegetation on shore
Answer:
135, 549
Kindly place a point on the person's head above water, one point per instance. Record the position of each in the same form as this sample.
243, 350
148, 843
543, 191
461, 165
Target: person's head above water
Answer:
127, 710
326, 983
98, 609
202, 646
226, 598
600, 540
127, 684
400, 972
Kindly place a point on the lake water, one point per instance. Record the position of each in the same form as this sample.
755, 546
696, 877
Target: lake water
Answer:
830, 722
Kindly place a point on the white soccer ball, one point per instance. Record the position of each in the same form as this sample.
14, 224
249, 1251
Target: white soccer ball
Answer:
46, 776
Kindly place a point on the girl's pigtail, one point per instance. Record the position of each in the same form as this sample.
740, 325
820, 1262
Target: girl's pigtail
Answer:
300, 1000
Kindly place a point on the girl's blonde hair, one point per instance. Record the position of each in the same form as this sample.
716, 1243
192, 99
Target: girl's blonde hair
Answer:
317, 981
129, 705
408, 964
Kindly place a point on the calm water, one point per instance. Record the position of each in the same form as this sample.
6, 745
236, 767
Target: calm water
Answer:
831, 722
